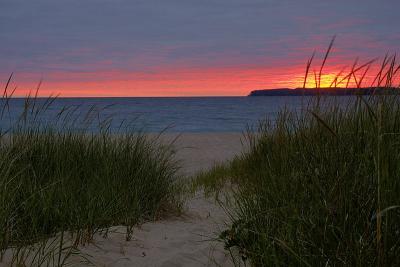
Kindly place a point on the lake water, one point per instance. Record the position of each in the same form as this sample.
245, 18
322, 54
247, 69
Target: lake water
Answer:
180, 114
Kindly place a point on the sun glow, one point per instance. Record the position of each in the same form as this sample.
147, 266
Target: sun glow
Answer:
326, 80
211, 81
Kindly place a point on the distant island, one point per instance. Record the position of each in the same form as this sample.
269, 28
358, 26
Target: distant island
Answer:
325, 91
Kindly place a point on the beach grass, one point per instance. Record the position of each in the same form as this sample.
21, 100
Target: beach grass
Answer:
318, 189
318, 186
60, 186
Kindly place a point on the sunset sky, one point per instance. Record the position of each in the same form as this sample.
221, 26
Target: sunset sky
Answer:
185, 47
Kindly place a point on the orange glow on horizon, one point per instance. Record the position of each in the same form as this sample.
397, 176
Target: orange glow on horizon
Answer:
229, 81
327, 80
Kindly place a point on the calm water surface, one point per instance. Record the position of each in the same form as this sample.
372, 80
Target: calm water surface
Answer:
180, 114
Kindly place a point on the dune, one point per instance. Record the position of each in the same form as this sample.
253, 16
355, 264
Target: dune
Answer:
187, 240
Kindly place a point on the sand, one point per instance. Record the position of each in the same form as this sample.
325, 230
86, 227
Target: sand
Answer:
200, 151
187, 240
179, 241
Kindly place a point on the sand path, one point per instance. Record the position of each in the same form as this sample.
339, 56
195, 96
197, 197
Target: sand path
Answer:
181, 241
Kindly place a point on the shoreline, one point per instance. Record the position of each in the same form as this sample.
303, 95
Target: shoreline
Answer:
200, 151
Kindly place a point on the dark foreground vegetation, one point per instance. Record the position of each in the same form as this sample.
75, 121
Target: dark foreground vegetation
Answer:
59, 186
318, 187
321, 189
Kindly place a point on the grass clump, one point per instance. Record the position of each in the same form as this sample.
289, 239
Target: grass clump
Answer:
55, 181
321, 191
321, 186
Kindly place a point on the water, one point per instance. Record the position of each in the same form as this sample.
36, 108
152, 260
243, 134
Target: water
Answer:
193, 114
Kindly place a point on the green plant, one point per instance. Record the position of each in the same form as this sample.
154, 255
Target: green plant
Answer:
60, 185
320, 187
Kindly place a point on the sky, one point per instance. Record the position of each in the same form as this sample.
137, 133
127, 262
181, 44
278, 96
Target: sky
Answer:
185, 47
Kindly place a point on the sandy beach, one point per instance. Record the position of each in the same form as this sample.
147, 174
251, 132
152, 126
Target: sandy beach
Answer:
185, 240
179, 241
